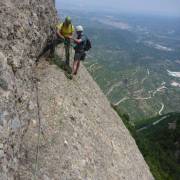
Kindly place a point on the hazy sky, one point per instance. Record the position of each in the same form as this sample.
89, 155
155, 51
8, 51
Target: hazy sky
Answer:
167, 7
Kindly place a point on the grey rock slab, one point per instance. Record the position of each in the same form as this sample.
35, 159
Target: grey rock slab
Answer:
87, 139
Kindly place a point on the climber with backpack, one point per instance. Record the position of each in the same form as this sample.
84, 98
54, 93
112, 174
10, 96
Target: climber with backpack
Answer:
82, 45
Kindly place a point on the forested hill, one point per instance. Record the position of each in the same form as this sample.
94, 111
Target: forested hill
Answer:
163, 146
159, 142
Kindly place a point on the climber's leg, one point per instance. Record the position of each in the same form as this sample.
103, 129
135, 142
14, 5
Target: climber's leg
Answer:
67, 51
76, 64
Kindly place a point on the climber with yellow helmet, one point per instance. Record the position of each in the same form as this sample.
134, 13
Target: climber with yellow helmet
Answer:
65, 32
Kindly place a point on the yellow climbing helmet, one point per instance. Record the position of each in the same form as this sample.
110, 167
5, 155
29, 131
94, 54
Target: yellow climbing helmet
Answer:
68, 20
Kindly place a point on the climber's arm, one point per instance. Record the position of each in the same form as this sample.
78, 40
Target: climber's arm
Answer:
58, 31
77, 41
60, 35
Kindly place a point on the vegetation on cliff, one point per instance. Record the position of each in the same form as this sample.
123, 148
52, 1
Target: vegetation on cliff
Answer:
159, 143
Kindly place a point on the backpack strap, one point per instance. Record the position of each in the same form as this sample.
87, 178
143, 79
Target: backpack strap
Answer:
85, 40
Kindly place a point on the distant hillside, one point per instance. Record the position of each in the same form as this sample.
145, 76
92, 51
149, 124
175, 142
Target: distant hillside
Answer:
159, 142
134, 60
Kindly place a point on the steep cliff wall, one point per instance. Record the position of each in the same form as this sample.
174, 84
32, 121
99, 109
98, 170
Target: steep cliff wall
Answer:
24, 29
50, 127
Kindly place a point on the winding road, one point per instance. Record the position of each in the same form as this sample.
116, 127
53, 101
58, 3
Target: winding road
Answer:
148, 73
162, 108
92, 66
120, 101
112, 88
153, 124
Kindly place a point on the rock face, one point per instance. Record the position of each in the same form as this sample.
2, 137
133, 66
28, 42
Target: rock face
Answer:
81, 136
51, 127
24, 30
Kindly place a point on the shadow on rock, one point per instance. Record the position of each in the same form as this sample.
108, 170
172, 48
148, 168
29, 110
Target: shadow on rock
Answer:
61, 64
